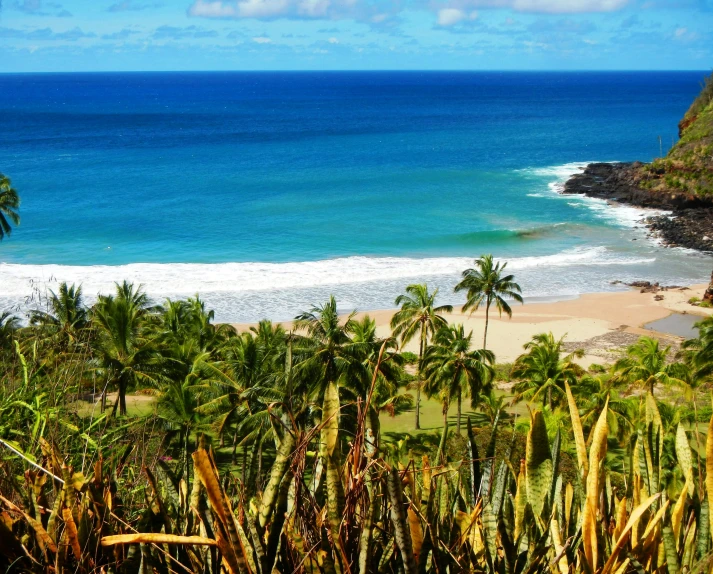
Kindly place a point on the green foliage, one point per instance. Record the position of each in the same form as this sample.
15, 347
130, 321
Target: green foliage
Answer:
319, 488
688, 167
9, 203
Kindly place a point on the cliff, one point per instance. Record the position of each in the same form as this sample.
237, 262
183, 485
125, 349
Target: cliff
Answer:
681, 182
688, 168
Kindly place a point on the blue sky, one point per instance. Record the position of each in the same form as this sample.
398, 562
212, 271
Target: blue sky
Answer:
83, 35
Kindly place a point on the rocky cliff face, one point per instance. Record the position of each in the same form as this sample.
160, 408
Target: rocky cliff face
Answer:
681, 182
691, 223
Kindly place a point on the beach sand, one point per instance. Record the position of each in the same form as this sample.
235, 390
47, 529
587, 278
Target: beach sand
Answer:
599, 323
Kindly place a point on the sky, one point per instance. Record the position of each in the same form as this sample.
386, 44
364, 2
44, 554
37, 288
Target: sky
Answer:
148, 35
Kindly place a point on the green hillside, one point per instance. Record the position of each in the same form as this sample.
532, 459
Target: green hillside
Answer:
688, 167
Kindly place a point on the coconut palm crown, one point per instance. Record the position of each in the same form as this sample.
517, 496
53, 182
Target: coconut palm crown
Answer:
420, 316
486, 285
9, 203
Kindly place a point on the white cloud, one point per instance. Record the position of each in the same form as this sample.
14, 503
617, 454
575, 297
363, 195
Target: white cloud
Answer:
451, 16
333, 41
212, 10
685, 35
567, 6
262, 40
273, 9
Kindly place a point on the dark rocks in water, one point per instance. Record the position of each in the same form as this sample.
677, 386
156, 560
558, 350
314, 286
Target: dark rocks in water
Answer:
691, 222
648, 287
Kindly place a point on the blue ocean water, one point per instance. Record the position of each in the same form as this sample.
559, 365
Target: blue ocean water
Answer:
265, 192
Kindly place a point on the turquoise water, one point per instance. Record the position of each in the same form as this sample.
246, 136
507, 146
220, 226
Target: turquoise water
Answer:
266, 192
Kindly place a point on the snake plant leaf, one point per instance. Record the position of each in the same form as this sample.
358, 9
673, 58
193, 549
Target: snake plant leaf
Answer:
71, 530
538, 464
555, 452
156, 538
520, 502
562, 563
704, 529
684, 456
414, 522
597, 452
677, 513
489, 464
634, 518
689, 547
278, 520
335, 499
709, 472
279, 467
330, 418
473, 463
670, 549
578, 432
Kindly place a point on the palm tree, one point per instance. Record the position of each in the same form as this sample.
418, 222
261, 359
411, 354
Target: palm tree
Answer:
9, 202
453, 369
595, 391
542, 371
484, 285
390, 376
8, 325
646, 364
328, 350
189, 319
125, 353
67, 313
179, 401
418, 316
698, 352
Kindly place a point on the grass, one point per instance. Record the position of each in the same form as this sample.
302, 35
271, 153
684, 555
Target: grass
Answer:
432, 417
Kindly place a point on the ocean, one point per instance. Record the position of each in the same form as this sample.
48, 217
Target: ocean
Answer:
267, 192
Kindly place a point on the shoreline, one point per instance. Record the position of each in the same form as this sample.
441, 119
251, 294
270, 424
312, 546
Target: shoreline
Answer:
599, 323
687, 221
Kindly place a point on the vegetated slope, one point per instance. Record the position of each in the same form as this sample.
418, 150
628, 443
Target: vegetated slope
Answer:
688, 167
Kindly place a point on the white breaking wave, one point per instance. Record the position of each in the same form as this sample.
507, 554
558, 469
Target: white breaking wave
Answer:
190, 278
617, 214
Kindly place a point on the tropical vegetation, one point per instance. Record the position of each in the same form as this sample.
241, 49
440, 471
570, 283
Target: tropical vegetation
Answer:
262, 450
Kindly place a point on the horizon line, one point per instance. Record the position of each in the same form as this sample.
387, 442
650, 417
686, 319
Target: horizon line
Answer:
366, 70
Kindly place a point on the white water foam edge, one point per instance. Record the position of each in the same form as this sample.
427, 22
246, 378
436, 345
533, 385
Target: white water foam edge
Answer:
250, 291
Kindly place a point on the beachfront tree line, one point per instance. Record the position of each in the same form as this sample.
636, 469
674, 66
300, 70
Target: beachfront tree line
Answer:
262, 451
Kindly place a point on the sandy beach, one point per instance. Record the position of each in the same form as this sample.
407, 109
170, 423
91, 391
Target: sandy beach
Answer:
599, 323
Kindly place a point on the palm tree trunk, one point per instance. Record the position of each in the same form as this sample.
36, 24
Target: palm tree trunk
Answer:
487, 317
444, 435
418, 382
245, 463
549, 397
258, 479
187, 455
458, 415
235, 446
122, 396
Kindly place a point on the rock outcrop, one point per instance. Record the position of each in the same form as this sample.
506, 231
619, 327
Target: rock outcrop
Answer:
690, 223
708, 295
681, 182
